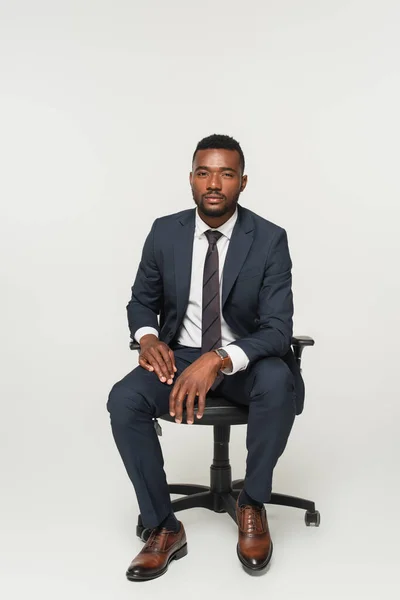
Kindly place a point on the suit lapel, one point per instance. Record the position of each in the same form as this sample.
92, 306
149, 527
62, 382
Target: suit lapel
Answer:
239, 246
183, 251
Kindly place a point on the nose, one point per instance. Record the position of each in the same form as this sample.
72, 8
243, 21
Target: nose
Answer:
215, 182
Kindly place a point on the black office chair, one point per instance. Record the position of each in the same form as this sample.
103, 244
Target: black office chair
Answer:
220, 496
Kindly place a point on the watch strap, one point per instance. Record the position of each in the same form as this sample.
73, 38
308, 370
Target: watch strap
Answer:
224, 356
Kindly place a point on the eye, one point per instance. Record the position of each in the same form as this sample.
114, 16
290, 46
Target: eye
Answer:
228, 174
201, 173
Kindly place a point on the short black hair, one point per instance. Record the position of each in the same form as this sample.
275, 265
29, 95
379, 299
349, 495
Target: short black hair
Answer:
220, 141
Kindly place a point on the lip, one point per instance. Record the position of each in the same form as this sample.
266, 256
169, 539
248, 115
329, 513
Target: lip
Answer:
213, 198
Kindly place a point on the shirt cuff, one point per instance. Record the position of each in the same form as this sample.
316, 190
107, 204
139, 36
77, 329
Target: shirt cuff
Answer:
238, 357
145, 331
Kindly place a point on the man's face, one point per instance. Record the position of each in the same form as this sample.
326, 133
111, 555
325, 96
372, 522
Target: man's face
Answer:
217, 181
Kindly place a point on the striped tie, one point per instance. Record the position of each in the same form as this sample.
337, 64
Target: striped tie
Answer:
211, 315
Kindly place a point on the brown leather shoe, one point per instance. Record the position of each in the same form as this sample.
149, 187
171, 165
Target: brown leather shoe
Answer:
254, 547
162, 546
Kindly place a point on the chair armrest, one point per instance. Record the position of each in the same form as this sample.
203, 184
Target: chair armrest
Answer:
302, 340
299, 342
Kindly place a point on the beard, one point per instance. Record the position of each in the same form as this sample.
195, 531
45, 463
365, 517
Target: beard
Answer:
218, 210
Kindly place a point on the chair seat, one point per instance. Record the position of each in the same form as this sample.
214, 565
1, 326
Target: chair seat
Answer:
218, 411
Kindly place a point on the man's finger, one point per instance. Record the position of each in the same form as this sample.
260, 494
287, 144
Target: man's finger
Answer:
201, 405
145, 364
156, 361
190, 406
167, 362
159, 353
179, 401
172, 397
172, 355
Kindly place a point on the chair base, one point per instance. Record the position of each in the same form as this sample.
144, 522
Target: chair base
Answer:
201, 496
222, 493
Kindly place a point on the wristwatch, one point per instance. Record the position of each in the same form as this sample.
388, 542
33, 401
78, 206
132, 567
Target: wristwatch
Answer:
224, 356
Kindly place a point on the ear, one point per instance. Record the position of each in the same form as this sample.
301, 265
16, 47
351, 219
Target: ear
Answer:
244, 183
190, 177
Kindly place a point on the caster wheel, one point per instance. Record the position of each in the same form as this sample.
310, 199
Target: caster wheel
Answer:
312, 518
143, 533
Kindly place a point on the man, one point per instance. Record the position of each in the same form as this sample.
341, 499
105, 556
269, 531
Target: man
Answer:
219, 277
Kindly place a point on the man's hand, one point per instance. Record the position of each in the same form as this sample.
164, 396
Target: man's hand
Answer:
194, 381
157, 356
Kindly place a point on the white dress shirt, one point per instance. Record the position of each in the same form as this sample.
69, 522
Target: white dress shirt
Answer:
190, 331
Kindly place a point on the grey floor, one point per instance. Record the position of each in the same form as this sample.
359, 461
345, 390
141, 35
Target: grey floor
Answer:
68, 526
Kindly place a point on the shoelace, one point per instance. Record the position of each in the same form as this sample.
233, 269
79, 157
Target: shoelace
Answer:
155, 540
253, 521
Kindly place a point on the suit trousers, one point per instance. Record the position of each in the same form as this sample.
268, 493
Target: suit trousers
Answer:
266, 387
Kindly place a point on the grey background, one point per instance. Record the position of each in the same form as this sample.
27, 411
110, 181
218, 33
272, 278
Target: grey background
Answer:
101, 106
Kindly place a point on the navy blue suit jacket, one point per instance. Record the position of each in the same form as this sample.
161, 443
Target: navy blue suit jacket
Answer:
257, 300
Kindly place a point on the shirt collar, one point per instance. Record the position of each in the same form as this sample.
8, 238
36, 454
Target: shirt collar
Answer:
226, 229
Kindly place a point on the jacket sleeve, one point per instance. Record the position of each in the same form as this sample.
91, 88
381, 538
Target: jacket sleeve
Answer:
275, 307
147, 290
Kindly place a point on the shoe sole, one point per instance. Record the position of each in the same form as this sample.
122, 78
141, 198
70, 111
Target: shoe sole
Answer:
252, 568
175, 556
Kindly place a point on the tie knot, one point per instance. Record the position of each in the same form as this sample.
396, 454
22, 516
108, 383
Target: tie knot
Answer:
212, 236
